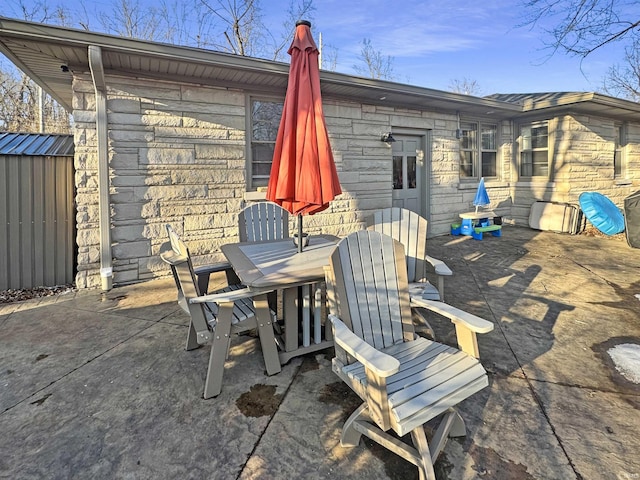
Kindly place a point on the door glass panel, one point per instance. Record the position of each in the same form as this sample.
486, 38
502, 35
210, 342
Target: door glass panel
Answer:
397, 172
411, 172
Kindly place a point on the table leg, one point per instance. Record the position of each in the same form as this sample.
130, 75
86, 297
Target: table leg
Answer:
299, 305
317, 312
306, 315
290, 313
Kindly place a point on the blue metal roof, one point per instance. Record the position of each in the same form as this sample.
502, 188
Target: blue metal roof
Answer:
48, 145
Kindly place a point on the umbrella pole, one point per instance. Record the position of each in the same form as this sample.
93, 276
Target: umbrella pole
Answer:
300, 233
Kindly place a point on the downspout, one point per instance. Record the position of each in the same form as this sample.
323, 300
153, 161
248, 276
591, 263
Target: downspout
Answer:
97, 73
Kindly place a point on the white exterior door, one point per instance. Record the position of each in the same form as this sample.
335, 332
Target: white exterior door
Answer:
407, 173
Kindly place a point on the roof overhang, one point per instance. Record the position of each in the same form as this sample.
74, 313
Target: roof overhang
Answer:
50, 55
587, 103
583, 103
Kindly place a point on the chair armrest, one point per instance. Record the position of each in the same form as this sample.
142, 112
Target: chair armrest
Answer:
203, 273
467, 325
229, 296
457, 316
439, 266
211, 268
378, 362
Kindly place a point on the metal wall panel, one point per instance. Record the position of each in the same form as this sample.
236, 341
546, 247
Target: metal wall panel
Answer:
37, 221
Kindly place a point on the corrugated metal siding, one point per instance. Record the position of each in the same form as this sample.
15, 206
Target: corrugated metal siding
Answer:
37, 221
36, 144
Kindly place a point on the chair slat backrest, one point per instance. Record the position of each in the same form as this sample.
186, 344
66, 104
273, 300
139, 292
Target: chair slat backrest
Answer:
369, 288
177, 245
180, 251
263, 221
410, 229
187, 284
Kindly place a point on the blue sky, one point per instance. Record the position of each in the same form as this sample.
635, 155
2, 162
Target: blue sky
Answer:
435, 42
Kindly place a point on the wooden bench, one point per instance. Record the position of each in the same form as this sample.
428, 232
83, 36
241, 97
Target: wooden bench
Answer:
496, 231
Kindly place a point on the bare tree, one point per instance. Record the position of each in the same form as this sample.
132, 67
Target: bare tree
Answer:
229, 25
130, 19
297, 10
242, 22
20, 110
376, 65
183, 23
244, 32
19, 95
329, 58
579, 27
624, 80
466, 86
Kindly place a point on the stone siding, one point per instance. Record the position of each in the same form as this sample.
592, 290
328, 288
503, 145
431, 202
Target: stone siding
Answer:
177, 155
582, 151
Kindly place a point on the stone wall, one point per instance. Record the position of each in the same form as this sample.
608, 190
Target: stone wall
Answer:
582, 151
177, 155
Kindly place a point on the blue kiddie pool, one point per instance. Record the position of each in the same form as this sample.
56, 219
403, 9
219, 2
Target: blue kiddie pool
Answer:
602, 213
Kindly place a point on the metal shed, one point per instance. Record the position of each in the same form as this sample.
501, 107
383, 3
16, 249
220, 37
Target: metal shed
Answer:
37, 213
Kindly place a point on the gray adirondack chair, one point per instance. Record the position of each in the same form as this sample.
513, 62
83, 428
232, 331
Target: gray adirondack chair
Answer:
216, 316
410, 229
202, 272
404, 380
263, 221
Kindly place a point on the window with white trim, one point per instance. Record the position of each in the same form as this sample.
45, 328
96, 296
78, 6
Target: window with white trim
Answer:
265, 121
618, 152
478, 152
534, 150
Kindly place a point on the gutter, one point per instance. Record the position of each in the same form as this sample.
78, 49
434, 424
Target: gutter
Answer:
99, 84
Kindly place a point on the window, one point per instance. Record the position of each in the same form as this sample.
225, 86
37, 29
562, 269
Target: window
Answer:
476, 148
265, 120
488, 150
534, 150
618, 153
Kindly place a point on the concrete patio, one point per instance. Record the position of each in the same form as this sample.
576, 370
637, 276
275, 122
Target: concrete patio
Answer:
99, 386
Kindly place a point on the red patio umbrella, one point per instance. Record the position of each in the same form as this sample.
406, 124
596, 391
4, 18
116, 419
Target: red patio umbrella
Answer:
303, 176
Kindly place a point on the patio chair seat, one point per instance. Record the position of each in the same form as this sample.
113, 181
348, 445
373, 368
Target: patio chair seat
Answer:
242, 308
431, 379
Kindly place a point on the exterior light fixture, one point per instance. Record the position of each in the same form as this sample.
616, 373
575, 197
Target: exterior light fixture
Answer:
387, 138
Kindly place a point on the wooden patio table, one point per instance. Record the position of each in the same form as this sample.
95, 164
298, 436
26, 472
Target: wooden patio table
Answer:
277, 264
